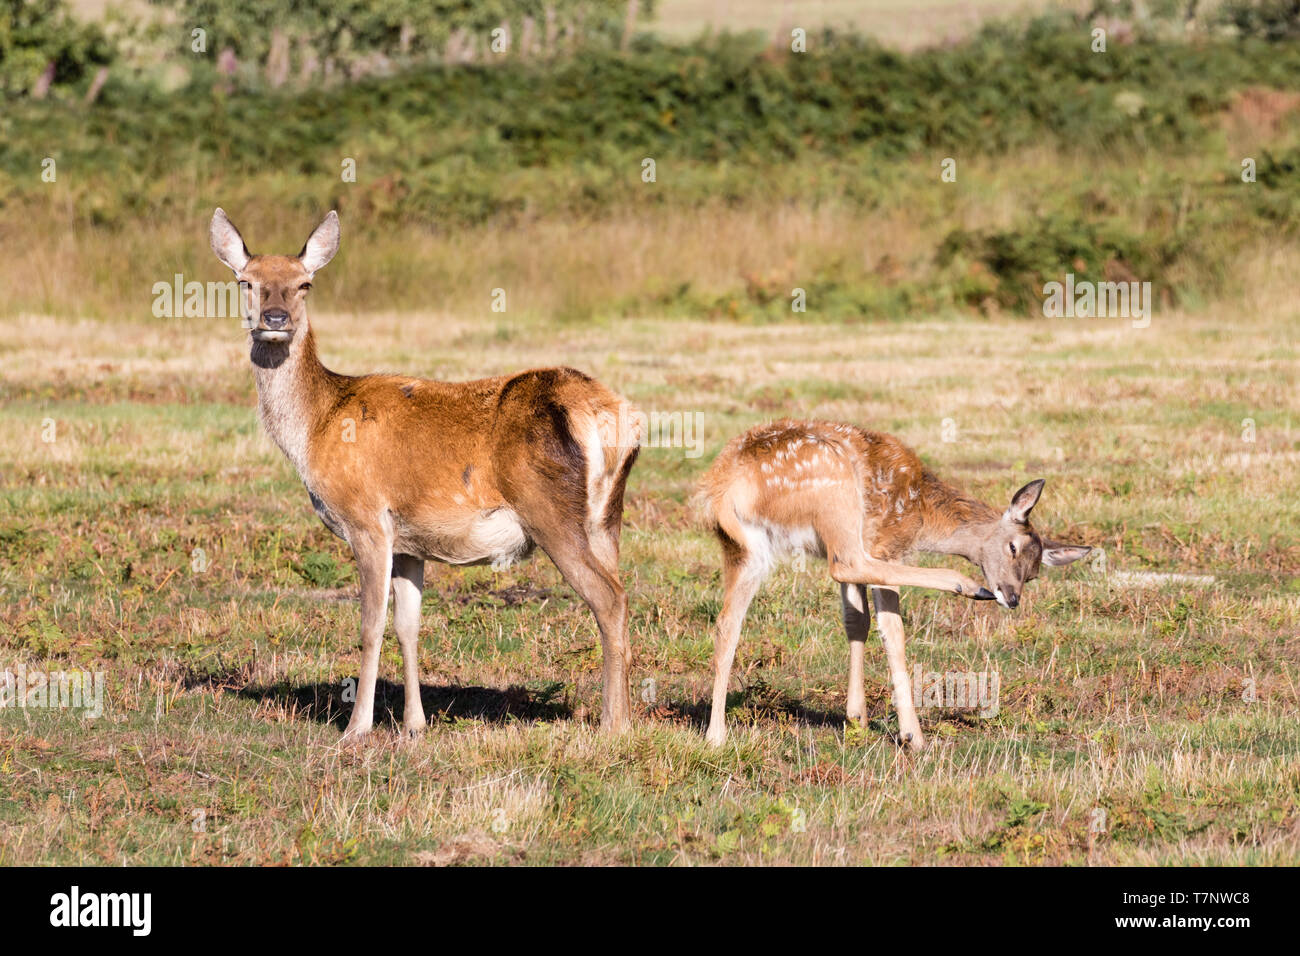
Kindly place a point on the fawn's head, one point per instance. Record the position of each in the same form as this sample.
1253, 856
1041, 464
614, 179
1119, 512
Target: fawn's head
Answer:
1013, 551
275, 287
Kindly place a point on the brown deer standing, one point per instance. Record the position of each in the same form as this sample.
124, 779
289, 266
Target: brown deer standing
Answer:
408, 470
866, 501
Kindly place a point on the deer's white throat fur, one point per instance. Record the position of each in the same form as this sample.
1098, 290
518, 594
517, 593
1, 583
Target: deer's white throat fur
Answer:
284, 397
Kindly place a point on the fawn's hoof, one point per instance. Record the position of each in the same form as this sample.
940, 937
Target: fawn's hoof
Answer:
913, 741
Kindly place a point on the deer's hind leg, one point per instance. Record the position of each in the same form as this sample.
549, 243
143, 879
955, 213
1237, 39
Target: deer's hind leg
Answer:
589, 562
568, 502
600, 588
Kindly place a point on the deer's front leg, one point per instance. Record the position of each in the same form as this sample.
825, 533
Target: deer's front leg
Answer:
890, 623
857, 624
374, 562
408, 585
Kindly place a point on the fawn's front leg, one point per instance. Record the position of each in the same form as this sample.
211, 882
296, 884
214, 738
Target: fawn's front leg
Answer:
890, 623
374, 564
857, 624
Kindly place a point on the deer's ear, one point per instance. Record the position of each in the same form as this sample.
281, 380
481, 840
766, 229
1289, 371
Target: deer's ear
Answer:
1056, 554
226, 241
1023, 501
321, 244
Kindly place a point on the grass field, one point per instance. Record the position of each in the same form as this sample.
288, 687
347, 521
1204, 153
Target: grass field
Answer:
1172, 709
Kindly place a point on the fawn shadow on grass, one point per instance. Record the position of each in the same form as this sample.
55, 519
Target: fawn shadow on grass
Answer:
758, 702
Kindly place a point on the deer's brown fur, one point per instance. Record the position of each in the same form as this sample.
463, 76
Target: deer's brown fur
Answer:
409, 470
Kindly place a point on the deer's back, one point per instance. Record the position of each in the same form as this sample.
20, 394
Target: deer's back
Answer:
449, 461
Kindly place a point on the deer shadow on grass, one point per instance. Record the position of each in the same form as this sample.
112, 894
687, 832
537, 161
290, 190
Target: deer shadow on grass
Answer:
323, 701
442, 703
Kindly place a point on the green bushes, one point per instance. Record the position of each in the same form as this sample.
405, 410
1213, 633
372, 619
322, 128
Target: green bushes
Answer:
40, 35
449, 142
1267, 19
308, 39
1013, 264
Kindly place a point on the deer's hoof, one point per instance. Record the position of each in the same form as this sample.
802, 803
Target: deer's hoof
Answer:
353, 736
983, 594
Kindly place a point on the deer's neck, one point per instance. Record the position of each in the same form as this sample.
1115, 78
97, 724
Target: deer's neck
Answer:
293, 391
953, 523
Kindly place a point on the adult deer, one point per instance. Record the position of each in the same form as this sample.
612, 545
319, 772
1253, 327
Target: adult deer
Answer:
865, 501
407, 470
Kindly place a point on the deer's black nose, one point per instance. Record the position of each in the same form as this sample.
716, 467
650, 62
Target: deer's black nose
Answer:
275, 318
1013, 599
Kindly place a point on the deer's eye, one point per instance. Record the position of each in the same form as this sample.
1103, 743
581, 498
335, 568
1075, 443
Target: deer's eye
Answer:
304, 287
1012, 546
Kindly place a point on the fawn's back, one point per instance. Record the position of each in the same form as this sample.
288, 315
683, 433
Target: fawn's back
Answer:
776, 484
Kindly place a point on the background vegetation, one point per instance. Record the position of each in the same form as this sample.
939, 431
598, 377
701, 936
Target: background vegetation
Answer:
848, 133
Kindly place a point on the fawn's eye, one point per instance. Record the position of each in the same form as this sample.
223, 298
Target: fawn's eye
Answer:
1012, 546
304, 287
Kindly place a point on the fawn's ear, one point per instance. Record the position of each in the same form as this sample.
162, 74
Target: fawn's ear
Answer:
321, 244
1023, 501
1056, 554
226, 241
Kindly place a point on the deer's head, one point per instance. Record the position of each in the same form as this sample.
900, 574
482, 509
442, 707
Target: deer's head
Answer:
274, 287
1013, 552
